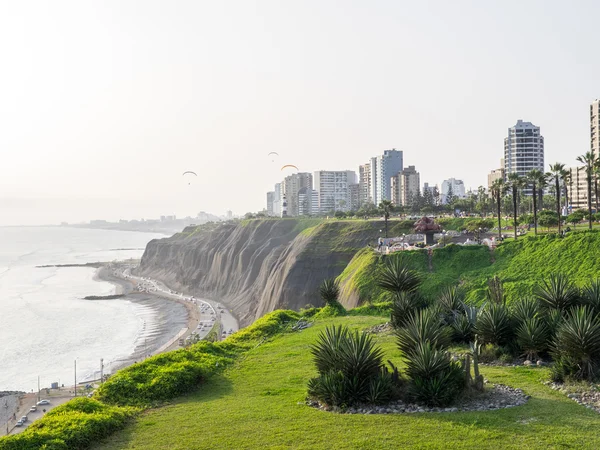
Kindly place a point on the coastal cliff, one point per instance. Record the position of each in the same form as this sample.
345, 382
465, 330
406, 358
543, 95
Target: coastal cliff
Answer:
257, 266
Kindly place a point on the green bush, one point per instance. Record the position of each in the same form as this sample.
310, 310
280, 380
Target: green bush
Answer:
395, 277
423, 326
76, 424
329, 291
532, 337
463, 327
349, 365
489, 353
494, 324
404, 305
525, 309
577, 344
558, 292
590, 295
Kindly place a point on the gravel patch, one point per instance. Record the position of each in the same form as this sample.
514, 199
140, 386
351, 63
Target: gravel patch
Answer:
496, 397
590, 397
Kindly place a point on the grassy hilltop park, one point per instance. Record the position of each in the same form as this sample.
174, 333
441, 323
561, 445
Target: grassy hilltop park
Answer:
250, 390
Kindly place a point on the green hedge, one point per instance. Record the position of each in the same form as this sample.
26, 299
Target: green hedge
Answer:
76, 424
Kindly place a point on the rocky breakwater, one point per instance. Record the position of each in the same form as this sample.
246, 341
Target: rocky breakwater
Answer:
257, 266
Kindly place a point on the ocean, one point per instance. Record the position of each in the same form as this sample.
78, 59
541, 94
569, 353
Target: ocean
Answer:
45, 325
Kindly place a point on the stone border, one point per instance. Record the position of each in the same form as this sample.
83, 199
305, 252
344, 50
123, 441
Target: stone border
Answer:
589, 398
498, 397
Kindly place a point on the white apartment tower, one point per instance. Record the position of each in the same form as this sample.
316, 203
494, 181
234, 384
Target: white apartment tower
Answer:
405, 186
595, 127
291, 189
364, 184
383, 168
333, 188
523, 150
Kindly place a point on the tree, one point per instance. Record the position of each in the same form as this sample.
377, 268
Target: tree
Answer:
596, 176
498, 189
515, 182
575, 217
436, 196
386, 207
547, 218
590, 162
556, 173
536, 178
450, 197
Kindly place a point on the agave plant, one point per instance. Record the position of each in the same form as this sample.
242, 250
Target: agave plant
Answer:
590, 295
395, 277
327, 351
329, 291
426, 361
423, 326
578, 342
557, 293
525, 309
404, 305
463, 329
532, 337
494, 324
553, 319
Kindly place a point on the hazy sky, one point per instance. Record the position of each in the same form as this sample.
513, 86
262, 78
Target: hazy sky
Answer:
103, 104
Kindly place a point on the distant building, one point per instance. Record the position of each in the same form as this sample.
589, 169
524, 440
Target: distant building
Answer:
229, 215
308, 202
364, 184
333, 187
496, 174
523, 150
277, 200
426, 187
354, 196
458, 189
291, 188
577, 188
595, 127
383, 168
270, 197
405, 186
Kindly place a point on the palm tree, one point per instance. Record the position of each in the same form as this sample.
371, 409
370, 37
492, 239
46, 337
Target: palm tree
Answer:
498, 189
566, 176
536, 178
385, 207
596, 176
515, 182
590, 162
556, 173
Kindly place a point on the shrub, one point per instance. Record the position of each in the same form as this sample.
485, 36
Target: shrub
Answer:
329, 291
395, 277
494, 325
452, 302
590, 296
557, 293
463, 328
532, 337
423, 326
525, 309
577, 343
404, 305
489, 353
76, 424
380, 389
348, 363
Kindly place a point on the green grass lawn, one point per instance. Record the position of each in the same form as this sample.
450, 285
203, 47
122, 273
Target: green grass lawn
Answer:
259, 403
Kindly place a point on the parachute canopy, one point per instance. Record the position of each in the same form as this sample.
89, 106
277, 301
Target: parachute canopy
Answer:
273, 155
188, 174
290, 166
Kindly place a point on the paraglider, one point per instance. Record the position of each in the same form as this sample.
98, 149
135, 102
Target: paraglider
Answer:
273, 155
291, 166
187, 174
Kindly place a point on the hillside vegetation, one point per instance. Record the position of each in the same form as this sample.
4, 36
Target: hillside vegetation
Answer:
519, 264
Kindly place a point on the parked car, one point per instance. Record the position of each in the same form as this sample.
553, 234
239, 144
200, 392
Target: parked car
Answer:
33, 409
24, 419
43, 402
19, 423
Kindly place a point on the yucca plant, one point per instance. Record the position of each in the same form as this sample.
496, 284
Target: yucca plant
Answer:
463, 329
553, 318
494, 324
395, 277
558, 292
423, 326
452, 302
578, 343
404, 305
380, 389
532, 337
360, 357
426, 361
327, 350
524, 309
590, 295
330, 291
440, 390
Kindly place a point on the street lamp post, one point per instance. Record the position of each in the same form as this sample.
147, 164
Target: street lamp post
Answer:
101, 370
75, 376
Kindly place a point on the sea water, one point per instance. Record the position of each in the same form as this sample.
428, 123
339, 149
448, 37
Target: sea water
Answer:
46, 328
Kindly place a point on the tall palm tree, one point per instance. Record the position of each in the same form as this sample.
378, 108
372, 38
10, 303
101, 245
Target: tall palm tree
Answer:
498, 189
536, 178
596, 176
589, 160
556, 173
386, 207
566, 177
515, 182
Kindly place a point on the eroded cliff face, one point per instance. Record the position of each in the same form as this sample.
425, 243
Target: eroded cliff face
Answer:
257, 266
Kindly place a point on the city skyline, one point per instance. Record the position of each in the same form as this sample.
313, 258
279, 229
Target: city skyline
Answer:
106, 105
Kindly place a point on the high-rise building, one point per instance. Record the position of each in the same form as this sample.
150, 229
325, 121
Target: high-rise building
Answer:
364, 184
458, 189
523, 150
577, 189
354, 196
405, 186
291, 188
595, 127
270, 197
333, 187
308, 202
383, 168
277, 200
